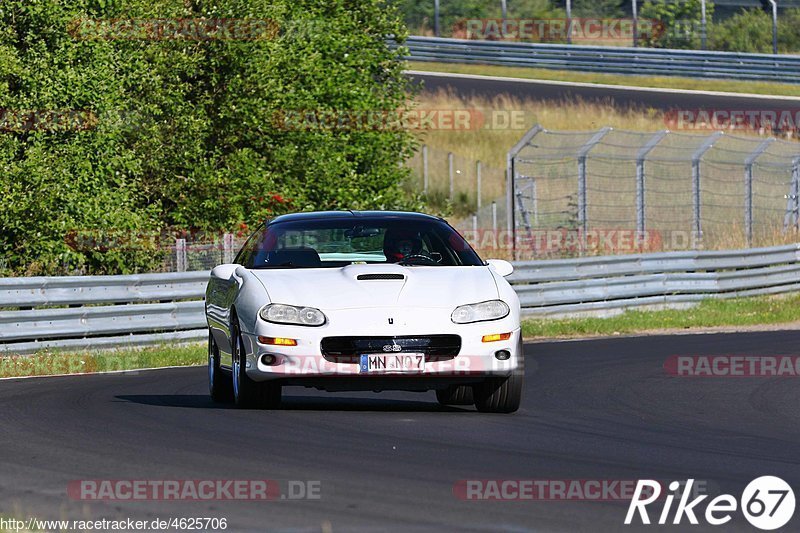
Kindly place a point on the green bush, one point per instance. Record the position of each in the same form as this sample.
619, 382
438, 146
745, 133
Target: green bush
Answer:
681, 22
182, 134
419, 15
750, 30
789, 31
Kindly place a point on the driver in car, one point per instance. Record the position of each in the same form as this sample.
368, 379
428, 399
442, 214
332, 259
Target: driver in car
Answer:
399, 244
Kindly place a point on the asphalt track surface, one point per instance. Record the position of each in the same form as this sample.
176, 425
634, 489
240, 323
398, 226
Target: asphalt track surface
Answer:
622, 97
600, 409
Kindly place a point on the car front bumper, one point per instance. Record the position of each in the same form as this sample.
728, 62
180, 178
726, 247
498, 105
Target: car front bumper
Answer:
475, 358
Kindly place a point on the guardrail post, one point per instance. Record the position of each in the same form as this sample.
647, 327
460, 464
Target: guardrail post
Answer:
478, 184
227, 248
696, 157
180, 255
583, 221
510, 183
748, 188
640, 159
425, 169
450, 174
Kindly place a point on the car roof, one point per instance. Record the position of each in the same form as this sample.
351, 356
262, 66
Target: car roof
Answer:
337, 215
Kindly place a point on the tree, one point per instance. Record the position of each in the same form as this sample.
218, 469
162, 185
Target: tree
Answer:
184, 134
680, 22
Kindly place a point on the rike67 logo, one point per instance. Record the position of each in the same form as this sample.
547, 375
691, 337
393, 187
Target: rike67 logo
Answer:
767, 503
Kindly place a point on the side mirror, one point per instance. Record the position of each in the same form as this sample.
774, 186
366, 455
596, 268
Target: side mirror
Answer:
224, 272
501, 266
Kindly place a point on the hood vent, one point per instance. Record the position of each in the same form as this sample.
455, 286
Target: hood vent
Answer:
372, 277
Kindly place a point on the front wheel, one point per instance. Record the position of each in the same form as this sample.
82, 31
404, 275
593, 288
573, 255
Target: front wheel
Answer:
499, 395
455, 395
219, 384
247, 393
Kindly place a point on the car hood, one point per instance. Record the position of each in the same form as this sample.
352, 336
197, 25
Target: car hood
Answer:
340, 288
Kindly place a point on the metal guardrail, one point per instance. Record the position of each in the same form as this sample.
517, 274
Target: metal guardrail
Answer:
82, 312
612, 283
93, 312
618, 60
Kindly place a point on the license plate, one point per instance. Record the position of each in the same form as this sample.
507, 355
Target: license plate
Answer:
392, 363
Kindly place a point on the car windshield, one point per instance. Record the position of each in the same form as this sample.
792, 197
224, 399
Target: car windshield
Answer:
336, 242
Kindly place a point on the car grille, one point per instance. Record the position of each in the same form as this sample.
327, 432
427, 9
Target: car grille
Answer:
433, 345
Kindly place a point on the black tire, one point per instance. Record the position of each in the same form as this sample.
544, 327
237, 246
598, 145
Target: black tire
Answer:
455, 395
249, 394
219, 383
501, 394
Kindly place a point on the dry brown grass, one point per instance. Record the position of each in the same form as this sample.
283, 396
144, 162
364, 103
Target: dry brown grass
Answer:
491, 145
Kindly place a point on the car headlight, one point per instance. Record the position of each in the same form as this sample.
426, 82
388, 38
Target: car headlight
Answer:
291, 314
480, 312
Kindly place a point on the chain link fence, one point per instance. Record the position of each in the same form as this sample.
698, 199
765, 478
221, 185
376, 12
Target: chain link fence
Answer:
610, 191
188, 255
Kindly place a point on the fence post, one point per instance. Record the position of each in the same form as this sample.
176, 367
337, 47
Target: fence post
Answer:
640, 185
703, 25
583, 221
425, 169
796, 198
436, 31
475, 225
748, 189
511, 157
569, 21
792, 216
180, 255
478, 179
450, 174
698, 155
227, 248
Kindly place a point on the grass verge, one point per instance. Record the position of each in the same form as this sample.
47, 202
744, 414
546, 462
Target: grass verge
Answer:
709, 313
52, 363
666, 82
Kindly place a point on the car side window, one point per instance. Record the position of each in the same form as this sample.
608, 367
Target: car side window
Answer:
250, 247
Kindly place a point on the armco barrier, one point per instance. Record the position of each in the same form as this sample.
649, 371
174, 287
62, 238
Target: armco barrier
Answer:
608, 59
77, 313
82, 312
610, 283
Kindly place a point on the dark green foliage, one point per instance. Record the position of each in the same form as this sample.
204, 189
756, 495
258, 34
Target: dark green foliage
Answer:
680, 22
182, 133
750, 30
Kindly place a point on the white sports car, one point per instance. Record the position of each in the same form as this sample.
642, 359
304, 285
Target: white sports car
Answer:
368, 300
